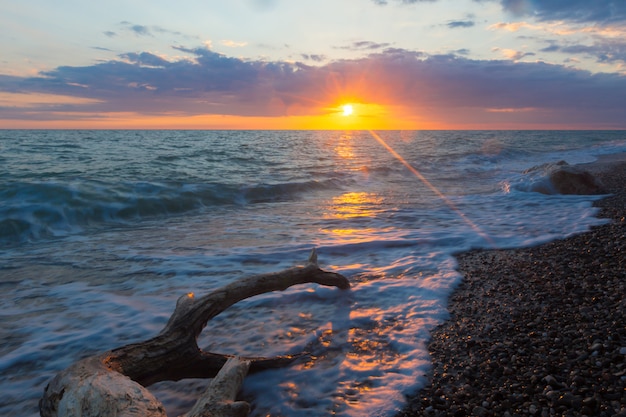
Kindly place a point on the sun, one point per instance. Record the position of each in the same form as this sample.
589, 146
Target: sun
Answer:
348, 110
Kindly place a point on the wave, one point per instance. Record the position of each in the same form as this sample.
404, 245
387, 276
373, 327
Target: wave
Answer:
39, 210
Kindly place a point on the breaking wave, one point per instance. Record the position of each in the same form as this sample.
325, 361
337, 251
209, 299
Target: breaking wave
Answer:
33, 211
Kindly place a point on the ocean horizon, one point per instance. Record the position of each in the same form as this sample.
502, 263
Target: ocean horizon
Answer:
102, 230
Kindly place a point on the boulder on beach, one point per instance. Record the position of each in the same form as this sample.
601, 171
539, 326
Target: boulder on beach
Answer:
563, 178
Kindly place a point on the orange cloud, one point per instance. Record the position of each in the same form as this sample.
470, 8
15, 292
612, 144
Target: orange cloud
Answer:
31, 100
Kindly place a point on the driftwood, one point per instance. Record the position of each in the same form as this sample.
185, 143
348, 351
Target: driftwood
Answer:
113, 383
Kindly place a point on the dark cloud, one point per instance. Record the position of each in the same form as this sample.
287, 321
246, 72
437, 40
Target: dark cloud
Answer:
211, 83
448, 80
11, 83
400, 52
369, 45
602, 50
460, 24
146, 59
550, 48
582, 11
139, 30
313, 57
142, 30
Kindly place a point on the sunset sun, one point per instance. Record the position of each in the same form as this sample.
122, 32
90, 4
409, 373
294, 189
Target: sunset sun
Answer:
360, 114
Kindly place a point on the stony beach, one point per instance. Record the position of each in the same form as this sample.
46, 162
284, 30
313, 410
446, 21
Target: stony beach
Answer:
539, 331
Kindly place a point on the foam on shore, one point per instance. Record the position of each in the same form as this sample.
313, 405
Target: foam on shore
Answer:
541, 330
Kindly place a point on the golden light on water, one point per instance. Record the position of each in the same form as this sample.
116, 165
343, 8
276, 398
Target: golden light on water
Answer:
354, 204
366, 204
344, 148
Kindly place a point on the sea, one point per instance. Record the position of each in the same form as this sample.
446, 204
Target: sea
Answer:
102, 230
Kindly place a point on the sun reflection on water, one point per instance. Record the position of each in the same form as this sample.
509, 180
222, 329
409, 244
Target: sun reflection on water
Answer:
344, 150
354, 204
364, 350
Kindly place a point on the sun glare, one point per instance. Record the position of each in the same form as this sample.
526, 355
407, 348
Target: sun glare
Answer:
348, 110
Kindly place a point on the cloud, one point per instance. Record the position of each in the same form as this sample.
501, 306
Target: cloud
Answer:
460, 24
451, 86
21, 100
513, 54
139, 30
233, 44
146, 59
143, 30
512, 27
603, 50
512, 110
605, 44
551, 48
313, 57
581, 11
365, 45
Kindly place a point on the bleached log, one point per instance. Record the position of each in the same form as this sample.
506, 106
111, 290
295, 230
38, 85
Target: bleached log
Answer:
218, 400
90, 389
113, 383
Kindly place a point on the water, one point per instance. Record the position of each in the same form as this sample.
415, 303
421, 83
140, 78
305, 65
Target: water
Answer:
101, 231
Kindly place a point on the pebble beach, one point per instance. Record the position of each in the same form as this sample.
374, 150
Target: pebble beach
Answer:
539, 331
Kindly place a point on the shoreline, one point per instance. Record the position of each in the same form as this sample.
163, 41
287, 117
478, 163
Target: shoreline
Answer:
537, 331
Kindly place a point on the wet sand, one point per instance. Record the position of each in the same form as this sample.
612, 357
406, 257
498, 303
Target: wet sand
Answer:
538, 331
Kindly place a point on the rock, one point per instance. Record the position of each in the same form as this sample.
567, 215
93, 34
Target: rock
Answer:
479, 411
568, 179
550, 380
563, 178
570, 400
597, 345
590, 402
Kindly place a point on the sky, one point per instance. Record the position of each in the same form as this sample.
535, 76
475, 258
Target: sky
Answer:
323, 64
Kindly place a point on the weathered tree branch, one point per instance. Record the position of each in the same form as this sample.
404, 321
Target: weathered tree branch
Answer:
219, 397
112, 383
